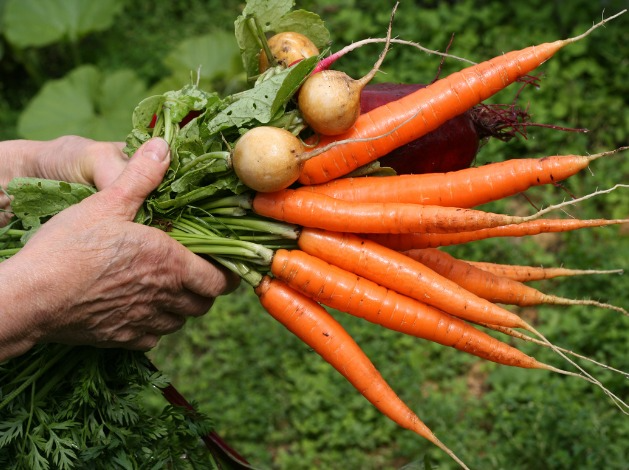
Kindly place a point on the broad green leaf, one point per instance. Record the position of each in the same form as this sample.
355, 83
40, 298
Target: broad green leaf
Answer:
274, 17
307, 23
189, 98
214, 54
85, 102
266, 13
145, 110
35, 199
263, 102
36, 23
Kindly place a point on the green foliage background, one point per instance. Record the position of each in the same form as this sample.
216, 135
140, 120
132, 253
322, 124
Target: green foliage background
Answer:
277, 402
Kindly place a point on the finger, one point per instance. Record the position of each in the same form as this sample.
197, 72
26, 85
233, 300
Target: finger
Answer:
165, 324
144, 343
109, 166
189, 304
140, 176
100, 163
204, 278
130, 337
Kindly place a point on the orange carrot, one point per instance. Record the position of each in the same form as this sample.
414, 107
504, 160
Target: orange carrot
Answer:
535, 273
406, 276
310, 209
519, 335
414, 115
468, 187
349, 293
319, 330
408, 241
490, 286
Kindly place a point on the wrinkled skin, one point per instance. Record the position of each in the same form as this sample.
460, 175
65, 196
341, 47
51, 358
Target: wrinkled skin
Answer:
91, 275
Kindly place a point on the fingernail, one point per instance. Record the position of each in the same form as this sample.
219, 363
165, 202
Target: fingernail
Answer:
156, 149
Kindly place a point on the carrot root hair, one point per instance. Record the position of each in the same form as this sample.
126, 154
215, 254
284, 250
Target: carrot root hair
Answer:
519, 335
620, 404
572, 202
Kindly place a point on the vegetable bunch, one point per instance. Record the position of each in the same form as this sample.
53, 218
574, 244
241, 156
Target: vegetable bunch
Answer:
311, 220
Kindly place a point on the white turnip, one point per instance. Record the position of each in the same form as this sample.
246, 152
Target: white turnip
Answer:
329, 100
287, 48
267, 158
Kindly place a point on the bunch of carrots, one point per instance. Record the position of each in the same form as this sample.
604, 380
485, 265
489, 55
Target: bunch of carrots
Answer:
368, 245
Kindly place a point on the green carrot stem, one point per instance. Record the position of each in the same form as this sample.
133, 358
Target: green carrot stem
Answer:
233, 252
64, 369
241, 200
259, 225
45, 366
187, 225
227, 211
242, 269
208, 244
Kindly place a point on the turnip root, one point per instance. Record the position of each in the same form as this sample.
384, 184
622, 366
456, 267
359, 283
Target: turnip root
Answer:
267, 159
329, 100
287, 48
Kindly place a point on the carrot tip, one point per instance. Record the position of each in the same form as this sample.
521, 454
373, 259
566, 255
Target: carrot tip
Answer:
595, 26
443, 447
596, 156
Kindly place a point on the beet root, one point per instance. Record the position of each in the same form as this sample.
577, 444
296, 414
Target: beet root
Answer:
453, 146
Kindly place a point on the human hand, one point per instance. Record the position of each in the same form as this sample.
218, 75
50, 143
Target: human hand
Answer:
79, 160
68, 158
90, 275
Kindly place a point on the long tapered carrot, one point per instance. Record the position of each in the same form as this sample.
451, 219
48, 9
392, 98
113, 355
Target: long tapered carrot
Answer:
416, 114
310, 209
524, 337
318, 329
349, 293
491, 286
524, 273
408, 241
468, 187
406, 276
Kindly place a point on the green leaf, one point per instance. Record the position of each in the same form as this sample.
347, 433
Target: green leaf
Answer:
189, 98
266, 14
36, 199
307, 23
36, 23
274, 17
263, 102
86, 102
14, 429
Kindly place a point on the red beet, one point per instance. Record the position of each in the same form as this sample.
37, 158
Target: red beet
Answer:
451, 147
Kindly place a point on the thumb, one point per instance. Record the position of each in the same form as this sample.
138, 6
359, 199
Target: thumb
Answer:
142, 174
